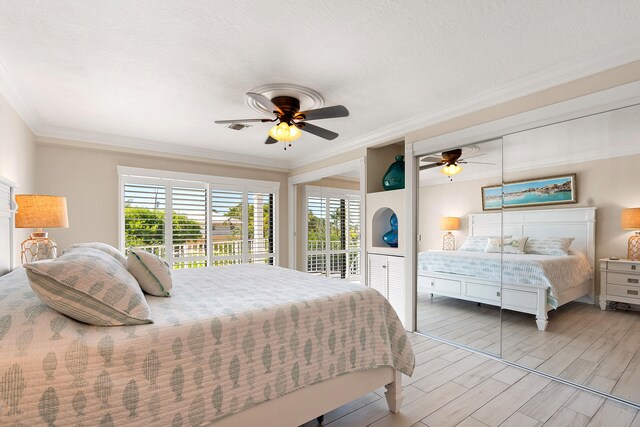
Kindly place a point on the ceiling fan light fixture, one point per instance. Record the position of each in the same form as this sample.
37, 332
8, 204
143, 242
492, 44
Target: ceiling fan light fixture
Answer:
451, 169
285, 133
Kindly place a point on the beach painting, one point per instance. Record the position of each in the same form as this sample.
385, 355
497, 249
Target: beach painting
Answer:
533, 192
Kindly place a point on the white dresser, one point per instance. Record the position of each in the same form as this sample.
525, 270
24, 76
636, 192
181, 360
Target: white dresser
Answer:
619, 281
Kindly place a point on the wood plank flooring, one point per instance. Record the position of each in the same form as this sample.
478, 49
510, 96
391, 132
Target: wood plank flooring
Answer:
454, 387
582, 344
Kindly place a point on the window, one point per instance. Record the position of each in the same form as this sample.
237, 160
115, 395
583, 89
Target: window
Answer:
199, 222
333, 233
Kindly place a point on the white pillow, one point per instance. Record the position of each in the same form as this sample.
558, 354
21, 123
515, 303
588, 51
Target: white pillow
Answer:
90, 286
107, 249
152, 273
477, 243
548, 245
507, 246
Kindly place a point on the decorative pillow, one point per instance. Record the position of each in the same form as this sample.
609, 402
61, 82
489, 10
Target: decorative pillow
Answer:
152, 273
507, 246
548, 245
90, 286
477, 243
108, 249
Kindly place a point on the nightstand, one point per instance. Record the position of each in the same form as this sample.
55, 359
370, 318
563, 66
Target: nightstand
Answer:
619, 281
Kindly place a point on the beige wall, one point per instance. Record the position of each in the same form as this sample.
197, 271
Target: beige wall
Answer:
17, 157
89, 180
609, 185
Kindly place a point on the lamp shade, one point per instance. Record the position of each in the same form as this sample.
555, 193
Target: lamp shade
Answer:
449, 223
630, 219
38, 211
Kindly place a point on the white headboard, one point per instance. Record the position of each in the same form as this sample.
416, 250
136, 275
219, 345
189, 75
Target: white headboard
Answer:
579, 223
7, 211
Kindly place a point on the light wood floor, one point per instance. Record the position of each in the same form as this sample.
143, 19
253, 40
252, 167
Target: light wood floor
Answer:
582, 343
454, 387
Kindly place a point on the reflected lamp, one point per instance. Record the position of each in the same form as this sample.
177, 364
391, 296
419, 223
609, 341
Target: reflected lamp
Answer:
449, 223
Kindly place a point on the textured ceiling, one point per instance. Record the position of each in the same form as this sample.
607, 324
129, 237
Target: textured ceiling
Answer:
162, 71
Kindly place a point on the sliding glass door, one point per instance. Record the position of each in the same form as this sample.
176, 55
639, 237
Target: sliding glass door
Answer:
333, 232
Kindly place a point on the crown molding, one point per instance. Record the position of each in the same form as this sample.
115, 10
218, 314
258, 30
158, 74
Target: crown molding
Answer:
576, 68
83, 139
10, 89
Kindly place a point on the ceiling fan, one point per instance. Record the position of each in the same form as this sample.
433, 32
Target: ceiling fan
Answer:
450, 160
291, 121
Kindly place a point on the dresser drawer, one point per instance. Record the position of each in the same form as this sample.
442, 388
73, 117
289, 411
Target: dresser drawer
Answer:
623, 291
623, 279
624, 266
440, 286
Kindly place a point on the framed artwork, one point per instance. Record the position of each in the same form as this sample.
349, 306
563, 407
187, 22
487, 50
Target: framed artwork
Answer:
554, 190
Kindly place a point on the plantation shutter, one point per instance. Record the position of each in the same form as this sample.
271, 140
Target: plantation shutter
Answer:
144, 217
228, 213
260, 227
337, 237
189, 226
353, 237
316, 234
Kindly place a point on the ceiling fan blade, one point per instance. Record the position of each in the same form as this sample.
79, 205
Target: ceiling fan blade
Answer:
271, 141
224, 122
472, 157
264, 101
431, 166
431, 159
324, 113
317, 130
478, 163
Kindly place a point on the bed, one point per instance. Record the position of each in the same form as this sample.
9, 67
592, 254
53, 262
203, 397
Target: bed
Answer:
236, 345
527, 283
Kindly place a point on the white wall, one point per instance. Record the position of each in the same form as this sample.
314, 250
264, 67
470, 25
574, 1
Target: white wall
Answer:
17, 157
89, 180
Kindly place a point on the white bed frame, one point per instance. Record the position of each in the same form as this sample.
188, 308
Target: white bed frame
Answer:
290, 410
572, 222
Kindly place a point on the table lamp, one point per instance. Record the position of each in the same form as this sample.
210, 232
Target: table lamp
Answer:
630, 220
39, 211
449, 223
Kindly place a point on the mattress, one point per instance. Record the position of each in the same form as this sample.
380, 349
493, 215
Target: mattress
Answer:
555, 273
229, 338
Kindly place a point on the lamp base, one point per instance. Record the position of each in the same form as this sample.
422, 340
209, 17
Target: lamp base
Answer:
633, 249
38, 247
448, 242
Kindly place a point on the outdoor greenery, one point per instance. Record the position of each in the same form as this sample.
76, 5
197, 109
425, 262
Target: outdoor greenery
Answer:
236, 213
145, 227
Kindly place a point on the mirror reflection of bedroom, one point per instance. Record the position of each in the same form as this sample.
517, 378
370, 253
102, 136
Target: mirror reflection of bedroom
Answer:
458, 287
546, 225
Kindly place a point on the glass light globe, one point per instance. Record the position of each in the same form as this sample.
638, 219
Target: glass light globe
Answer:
451, 170
285, 133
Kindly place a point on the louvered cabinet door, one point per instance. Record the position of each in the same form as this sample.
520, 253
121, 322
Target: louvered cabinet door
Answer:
395, 285
378, 273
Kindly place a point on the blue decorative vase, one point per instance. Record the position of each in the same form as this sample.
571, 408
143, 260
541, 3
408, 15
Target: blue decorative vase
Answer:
394, 178
391, 236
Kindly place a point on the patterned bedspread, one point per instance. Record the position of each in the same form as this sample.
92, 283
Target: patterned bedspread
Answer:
555, 273
228, 338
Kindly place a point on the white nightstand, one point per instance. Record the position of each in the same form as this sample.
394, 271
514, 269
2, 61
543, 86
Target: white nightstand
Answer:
619, 281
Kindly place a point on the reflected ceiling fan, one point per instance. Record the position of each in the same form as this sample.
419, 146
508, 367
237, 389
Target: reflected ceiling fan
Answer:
450, 160
291, 121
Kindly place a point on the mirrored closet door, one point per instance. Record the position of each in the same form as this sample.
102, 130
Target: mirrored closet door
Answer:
459, 258
570, 190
